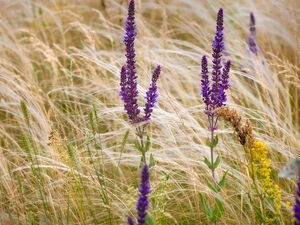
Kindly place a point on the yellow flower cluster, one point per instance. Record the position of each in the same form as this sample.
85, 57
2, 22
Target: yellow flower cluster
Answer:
261, 166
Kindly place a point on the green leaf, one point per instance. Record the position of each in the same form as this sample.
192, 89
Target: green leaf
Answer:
221, 182
217, 162
149, 220
208, 143
139, 147
207, 162
212, 145
152, 162
218, 210
147, 145
211, 186
207, 208
216, 141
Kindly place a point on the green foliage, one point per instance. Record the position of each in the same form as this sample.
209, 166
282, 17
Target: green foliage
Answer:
149, 220
215, 214
221, 182
213, 144
215, 164
208, 210
139, 147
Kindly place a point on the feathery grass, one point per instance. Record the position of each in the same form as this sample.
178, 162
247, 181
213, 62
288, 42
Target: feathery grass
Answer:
67, 153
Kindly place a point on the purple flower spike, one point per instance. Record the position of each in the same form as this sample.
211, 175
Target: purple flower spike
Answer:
225, 82
151, 94
296, 207
225, 75
128, 77
129, 90
214, 96
205, 91
143, 204
218, 46
130, 221
252, 36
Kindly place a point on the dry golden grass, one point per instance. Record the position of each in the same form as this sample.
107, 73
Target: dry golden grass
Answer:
62, 120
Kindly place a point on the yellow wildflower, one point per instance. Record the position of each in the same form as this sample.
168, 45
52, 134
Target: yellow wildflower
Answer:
261, 166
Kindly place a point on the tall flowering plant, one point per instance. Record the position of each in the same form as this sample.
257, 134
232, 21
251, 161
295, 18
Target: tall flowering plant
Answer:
214, 97
129, 94
128, 84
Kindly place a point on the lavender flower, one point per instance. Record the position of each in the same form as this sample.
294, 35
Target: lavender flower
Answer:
296, 207
142, 204
205, 92
130, 221
128, 82
151, 94
252, 36
128, 75
214, 96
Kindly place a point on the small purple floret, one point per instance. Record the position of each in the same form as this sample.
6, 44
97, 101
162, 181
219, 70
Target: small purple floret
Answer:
143, 204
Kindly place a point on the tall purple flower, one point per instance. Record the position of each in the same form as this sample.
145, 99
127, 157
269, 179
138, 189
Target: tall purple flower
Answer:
218, 46
128, 75
214, 96
143, 204
296, 207
252, 43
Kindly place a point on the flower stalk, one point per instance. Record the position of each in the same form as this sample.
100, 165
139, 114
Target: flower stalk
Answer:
128, 83
129, 94
214, 97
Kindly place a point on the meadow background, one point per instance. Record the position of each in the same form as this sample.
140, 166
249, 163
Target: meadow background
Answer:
66, 156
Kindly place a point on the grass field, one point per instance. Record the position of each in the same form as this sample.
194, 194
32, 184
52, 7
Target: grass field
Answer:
67, 153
